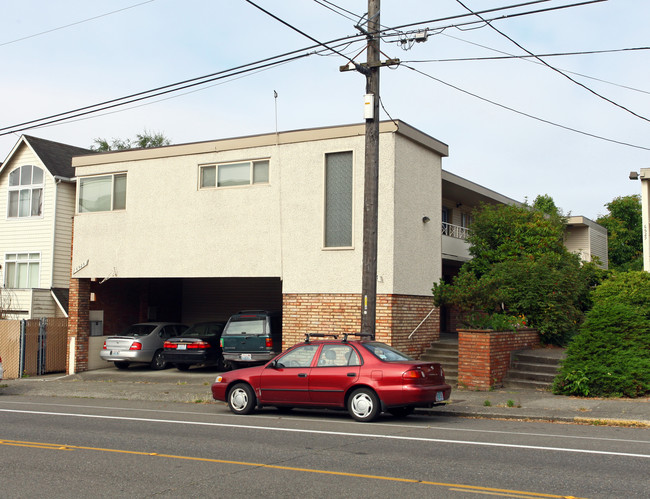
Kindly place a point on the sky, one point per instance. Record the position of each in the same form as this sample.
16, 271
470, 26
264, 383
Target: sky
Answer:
513, 125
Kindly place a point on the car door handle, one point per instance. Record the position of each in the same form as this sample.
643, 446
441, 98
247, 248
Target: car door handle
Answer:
352, 375
302, 375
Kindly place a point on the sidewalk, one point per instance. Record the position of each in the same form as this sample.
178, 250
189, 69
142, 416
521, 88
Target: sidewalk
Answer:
193, 386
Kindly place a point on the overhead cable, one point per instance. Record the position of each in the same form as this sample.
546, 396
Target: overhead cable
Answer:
503, 106
600, 96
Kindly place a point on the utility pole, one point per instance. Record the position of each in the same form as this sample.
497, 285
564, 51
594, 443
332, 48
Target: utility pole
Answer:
371, 175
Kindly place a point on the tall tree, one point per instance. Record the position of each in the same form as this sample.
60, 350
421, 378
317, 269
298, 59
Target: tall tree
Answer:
143, 140
520, 274
624, 233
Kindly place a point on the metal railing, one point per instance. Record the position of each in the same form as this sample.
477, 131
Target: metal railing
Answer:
455, 231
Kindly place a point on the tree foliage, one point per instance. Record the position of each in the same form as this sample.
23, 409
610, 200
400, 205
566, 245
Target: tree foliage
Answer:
610, 356
142, 140
624, 233
521, 268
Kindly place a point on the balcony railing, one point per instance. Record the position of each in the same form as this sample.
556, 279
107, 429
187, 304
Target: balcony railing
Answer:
455, 231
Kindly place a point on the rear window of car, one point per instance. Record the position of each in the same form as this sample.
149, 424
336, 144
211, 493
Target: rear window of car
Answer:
253, 327
203, 330
385, 352
139, 330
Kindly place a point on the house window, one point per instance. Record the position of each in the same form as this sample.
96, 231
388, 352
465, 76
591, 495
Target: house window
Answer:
234, 174
465, 220
104, 193
22, 270
338, 200
25, 192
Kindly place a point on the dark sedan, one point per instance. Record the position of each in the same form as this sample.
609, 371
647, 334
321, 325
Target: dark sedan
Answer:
365, 377
199, 345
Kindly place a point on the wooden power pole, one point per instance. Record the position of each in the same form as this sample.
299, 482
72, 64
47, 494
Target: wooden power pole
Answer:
371, 175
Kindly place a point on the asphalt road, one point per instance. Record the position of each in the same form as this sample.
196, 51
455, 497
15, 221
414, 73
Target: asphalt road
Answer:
59, 447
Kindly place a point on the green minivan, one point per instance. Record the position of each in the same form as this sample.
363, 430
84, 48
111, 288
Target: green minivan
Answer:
251, 337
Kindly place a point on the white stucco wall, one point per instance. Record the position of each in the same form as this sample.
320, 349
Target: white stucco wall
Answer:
417, 260
171, 228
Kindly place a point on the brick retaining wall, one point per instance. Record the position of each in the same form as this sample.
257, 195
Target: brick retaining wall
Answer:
484, 356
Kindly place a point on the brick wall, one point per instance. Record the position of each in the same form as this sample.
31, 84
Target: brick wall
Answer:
79, 323
484, 356
397, 317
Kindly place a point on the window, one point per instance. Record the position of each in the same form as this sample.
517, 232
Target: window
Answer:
234, 174
338, 356
465, 220
22, 270
104, 193
25, 192
301, 356
338, 200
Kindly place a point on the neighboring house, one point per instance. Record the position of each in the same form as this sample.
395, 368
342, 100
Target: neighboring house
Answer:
37, 190
588, 239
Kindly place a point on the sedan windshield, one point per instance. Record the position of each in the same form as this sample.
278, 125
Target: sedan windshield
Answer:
385, 352
139, 330
203, 330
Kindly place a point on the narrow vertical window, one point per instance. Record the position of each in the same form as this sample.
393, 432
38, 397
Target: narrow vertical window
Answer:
338, 200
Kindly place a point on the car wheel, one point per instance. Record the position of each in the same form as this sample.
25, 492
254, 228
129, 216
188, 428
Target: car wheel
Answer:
401, 412
241, 399
224, 365
363, 404
121, 364
158, 361
183, 367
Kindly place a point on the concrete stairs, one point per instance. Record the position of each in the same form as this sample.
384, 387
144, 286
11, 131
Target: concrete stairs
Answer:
534, 368
445, 351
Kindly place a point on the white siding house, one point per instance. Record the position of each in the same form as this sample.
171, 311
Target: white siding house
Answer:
37, 193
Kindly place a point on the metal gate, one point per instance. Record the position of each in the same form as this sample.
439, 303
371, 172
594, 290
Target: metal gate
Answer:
43, 345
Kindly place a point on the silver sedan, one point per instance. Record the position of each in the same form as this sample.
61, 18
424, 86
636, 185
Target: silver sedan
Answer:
140, 343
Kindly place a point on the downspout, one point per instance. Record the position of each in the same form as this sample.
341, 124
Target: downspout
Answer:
57, 180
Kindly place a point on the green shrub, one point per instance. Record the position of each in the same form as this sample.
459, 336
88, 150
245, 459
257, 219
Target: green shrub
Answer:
610, 357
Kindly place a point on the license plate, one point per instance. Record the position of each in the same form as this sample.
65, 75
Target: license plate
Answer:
440, 396
181, 347
115, 352
246, 356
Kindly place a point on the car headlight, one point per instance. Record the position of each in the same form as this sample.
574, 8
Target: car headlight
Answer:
218, 380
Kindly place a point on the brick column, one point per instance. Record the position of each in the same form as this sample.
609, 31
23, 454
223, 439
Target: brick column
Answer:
78, 324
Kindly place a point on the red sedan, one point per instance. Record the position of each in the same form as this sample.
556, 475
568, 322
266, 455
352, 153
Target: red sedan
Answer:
365, 377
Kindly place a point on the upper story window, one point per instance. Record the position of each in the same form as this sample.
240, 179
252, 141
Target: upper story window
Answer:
233, 174
102, 193
338, 200
25, 192
22, 270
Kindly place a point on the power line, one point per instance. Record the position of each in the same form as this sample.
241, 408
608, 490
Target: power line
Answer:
508, 108
534, 56
555, 69
75, 23
301, 32
136, 98
201, 80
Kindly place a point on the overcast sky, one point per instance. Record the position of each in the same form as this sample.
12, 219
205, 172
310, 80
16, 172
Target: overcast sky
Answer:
59, 56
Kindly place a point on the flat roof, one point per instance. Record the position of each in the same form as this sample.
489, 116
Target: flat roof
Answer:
268, 139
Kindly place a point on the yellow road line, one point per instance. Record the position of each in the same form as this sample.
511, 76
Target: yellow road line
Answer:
451, 486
